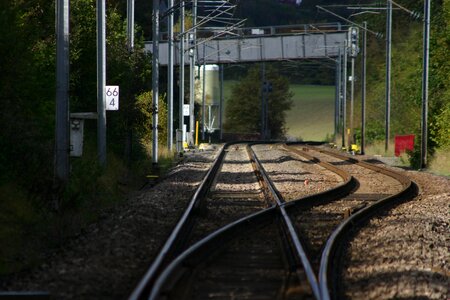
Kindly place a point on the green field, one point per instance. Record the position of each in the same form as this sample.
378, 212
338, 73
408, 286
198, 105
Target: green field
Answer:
312, 115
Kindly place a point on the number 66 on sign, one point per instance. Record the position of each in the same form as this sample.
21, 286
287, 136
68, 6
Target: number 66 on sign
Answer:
112, 97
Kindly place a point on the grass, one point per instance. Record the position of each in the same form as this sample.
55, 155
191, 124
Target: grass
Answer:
378, 148
441, 162
439, 165
312, 114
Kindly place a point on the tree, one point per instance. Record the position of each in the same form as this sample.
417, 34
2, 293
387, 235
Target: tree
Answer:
243, 111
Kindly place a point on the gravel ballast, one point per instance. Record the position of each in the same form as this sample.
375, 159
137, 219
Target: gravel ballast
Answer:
404, 252
401, 253
109, 259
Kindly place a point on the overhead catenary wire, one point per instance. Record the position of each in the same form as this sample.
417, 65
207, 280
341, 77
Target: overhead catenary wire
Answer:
377, 34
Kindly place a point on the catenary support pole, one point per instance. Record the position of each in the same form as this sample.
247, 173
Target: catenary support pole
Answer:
130, 46
426, 57
388, 72
192, 56
263, 101
221, 102
101, 82
337, 96
170, 78
203, 93
155, 81
62, 136
130, 25
339, 83
181, 84
352, 102
363, 88
344, 96
191, 85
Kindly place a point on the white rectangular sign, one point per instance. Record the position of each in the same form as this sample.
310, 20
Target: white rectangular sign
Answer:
112, 97
186, 110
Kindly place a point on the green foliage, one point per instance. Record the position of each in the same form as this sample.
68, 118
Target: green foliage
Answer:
144, 121
406, 89
440, 128
439, 73
188, 22
244, 107
34, 211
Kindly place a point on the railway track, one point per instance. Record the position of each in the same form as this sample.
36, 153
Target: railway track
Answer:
246, 234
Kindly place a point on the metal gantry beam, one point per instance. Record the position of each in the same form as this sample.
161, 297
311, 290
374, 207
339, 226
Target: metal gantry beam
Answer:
276, 47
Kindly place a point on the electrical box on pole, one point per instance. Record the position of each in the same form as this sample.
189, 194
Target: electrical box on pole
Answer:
77, 131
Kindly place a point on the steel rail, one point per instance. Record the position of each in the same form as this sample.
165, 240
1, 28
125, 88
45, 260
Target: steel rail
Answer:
207, 247
300, 251
177, 236
334, 242
402, 179
192, 256
154, 284
206, 244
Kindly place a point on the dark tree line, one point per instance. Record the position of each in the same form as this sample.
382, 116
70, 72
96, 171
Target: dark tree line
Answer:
27, 89
243, 109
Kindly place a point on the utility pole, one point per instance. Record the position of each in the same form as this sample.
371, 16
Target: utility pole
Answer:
170, 78
363, 89
426, 57
101, 82
388, 71
181, 104
155, 80
62, 136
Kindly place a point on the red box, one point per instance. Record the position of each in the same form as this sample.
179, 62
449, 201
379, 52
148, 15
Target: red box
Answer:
403, 143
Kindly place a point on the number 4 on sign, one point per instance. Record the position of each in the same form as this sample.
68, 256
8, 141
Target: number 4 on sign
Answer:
112, 97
